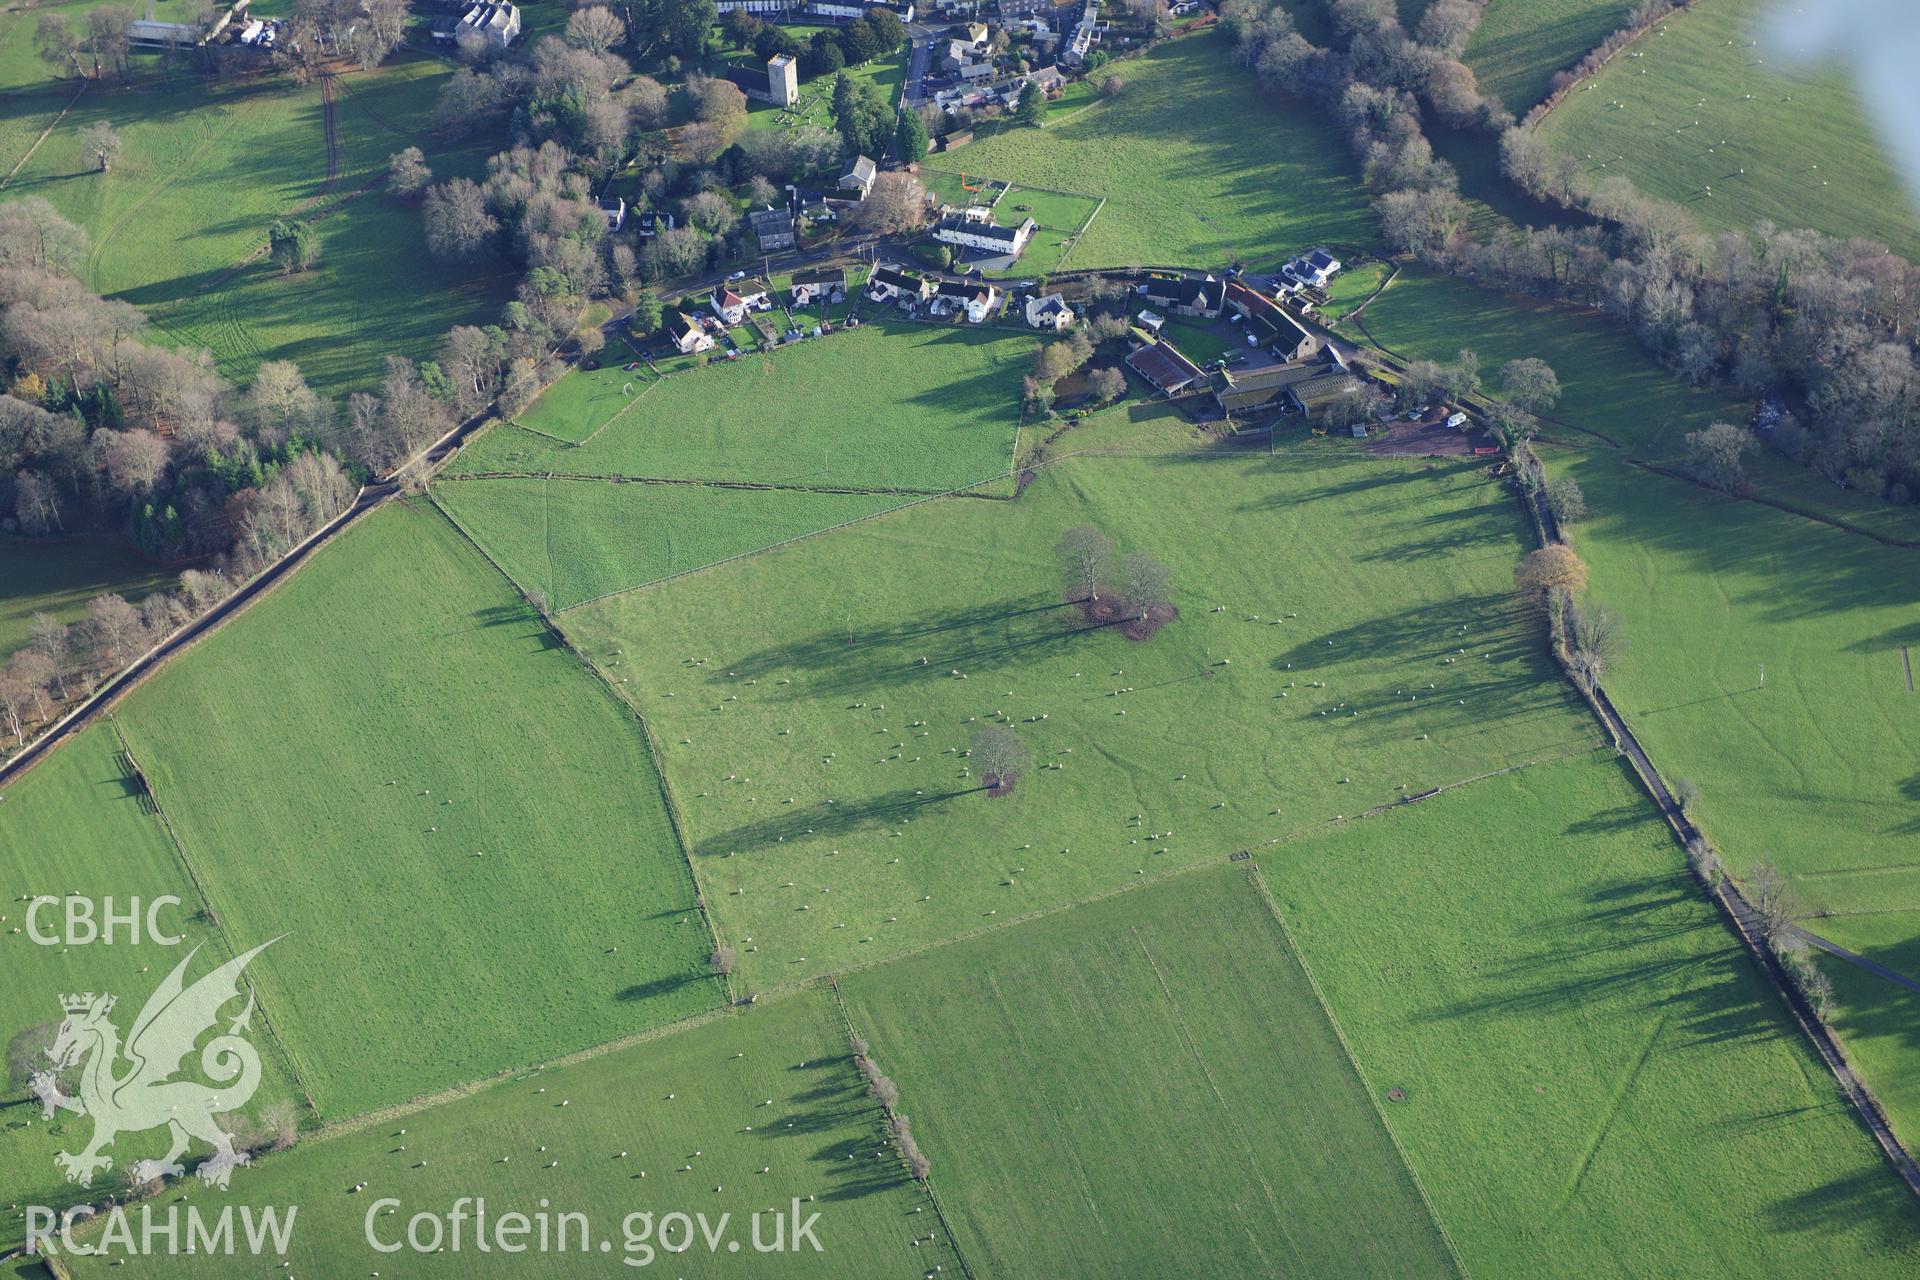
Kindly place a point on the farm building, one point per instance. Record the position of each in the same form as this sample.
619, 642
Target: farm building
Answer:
773, 227
1313, 396
829, 283
688, 334
859, 176
1162, 364
1269, 325
145, 33
1313, 269
889, 283
1050, 313
975, 229
979, 301
1249, 391
732, 302
1199, 298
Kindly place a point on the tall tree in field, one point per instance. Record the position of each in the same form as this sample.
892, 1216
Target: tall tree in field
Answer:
1717, 456
59, 45
101, 141
407, 174
1531, 384
1086, 557
998, 757
293, 244
1145, 581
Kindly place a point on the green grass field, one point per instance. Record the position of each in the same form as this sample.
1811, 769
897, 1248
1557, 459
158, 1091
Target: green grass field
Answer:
1597, 1081
893, 406
810, 735
1144, 1086
1773, 140
1815, 770
574, 540
60, 577
1198, 165
1521, 43
579, 403
493, 842
75, 824
766, 1105
179, 221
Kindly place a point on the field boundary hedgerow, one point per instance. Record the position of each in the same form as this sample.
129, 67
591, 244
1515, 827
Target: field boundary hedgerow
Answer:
1258, 881
45, 133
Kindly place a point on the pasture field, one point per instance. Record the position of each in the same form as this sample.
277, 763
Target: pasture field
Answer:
581, 400
888, 406
1814, 771
76, 824
811, 734
1596, 1080
1354, 286
766, 1107
1145, 1085
1197, 163
574, 540
1773, 140
60, 577
1521, 43
179, 224
495, 803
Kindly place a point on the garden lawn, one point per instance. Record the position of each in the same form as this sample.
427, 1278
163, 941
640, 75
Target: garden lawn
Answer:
897, 407
494, 842
1520, 44
1146, 1085
812, 707
60, 577
575, 540
1788, 142
765, 1106
1197, 163
1061, 217
1597, 1081
76, 824
179, 223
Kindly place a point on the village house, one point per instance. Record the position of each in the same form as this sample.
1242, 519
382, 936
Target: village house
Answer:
773, 227
859, 176
829, 283
1314, 269
614, 209
1269, 325
978, 300
498, 24
688, 334
1161, 364
1201, 299
651, 224
889, 283
1050, 313
976, 229
732, 302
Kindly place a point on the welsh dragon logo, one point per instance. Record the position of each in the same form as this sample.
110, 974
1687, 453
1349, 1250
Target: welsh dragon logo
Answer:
144, 1095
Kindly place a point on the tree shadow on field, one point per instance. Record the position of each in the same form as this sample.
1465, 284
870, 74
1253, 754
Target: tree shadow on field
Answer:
1839, 1206
666, 985
1425, 632
1619, 818
933, 643
830, 820
508, 615
1910, 792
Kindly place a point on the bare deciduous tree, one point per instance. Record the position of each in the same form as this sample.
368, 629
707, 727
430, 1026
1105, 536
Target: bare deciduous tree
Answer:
1086, 557
998, 756
103, 142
